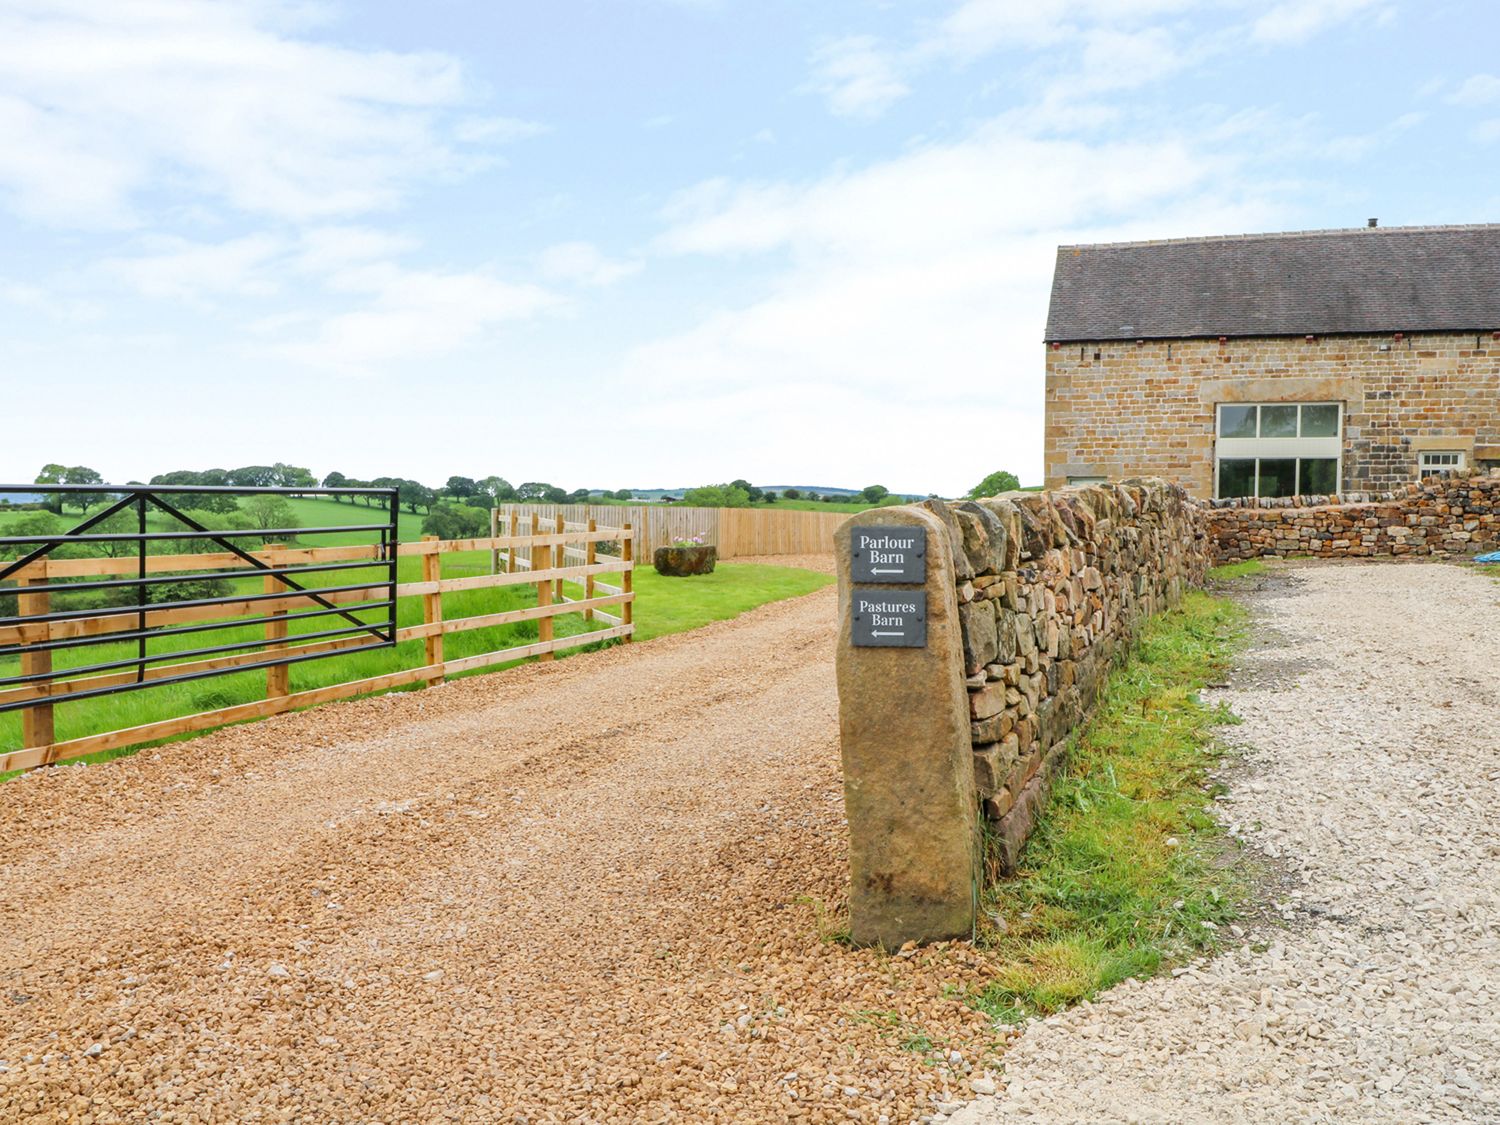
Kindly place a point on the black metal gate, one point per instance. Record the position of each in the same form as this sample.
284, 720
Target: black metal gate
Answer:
155, 588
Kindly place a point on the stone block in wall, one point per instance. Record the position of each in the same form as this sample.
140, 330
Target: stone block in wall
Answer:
963, 570
985, 537
981, 645
988, 701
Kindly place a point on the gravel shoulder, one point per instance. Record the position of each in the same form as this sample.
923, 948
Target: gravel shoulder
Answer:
1371, 736
594, 890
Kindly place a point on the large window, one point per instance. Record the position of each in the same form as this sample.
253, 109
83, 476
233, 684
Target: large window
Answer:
1278, 448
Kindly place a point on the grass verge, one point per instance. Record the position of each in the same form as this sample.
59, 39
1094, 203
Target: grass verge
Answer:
1230, 571
1128, 872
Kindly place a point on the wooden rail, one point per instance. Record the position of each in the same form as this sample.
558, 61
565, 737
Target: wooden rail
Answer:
545, 559
737, 532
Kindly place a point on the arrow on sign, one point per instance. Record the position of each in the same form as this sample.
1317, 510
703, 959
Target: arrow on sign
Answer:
878, 633
889, 570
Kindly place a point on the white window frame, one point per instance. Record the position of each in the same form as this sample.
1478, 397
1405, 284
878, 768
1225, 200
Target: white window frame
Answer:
1299, 448
1426, 468
1080, 482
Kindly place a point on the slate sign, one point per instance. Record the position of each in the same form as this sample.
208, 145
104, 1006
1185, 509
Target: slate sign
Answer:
885, 618
888, 554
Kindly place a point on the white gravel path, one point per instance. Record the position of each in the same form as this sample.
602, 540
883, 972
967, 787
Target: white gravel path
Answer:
1371, 708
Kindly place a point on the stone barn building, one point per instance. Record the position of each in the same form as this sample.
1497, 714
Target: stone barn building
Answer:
1276, 364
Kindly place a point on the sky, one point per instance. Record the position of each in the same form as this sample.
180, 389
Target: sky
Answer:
654, 243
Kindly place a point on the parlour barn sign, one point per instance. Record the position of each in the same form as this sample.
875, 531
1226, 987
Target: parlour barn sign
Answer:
888, 554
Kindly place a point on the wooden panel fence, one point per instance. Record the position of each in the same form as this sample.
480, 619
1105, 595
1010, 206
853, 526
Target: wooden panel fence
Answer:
532, 552
737, 532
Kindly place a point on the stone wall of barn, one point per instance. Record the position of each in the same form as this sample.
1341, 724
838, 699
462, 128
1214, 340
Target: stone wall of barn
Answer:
1119, 408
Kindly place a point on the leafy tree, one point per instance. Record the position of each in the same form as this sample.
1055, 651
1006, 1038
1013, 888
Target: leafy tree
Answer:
578, 496
623, 494
267, 512
52, 473
749, 489
810, 495
414, 495
82, 474
555, 495
994, 484
456, 521
39, 524
461, 488
230, 521
220, 502
874, 493
253, 476
533, 490
291, 476
794, 494
497, 490
337, 480
768, 497
717, 496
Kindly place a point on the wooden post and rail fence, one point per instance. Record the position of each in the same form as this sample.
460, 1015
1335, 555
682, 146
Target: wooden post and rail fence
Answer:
543, 553
737, 532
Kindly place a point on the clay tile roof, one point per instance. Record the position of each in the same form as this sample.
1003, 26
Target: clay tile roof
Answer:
1381, 279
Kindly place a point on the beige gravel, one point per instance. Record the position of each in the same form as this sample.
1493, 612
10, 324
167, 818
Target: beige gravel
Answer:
596, 890
1371, 708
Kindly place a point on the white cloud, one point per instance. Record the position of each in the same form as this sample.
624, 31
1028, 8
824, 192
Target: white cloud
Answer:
223, 100
1477, 89
408, 315
1296, 21
915, 294
177, 268
582, 263
857, 77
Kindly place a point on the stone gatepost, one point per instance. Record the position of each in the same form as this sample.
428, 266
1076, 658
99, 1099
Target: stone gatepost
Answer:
904, 727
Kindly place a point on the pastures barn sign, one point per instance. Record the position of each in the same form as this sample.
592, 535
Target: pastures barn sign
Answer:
889, 618
885, 617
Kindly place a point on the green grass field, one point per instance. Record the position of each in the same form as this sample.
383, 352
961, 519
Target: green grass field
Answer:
663, 605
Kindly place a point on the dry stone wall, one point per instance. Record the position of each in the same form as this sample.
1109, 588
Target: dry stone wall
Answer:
1051, 587
1450, 514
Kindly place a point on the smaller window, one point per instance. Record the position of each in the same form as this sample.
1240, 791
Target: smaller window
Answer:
1440, 460
1087, 480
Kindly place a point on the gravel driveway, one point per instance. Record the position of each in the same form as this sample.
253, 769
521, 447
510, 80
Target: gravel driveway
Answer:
593, 890
1371, 707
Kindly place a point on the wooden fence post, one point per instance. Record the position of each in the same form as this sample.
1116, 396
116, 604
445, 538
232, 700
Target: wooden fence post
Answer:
590, 554
432, 608
541, 559
561, 556
494, 533
627, 582
515, 533
37, 723
278, 676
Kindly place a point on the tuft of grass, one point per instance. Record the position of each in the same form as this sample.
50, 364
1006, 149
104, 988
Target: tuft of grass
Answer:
1230, 571
1126, 874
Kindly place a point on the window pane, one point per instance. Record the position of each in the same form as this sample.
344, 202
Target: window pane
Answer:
1320, 421
1279, 420
1278, 477
1236, 421
1236, 478
1320, 476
